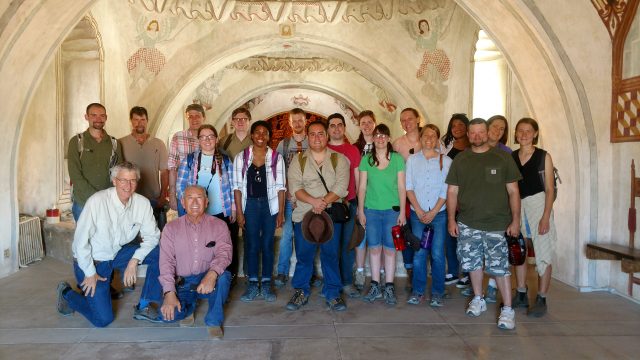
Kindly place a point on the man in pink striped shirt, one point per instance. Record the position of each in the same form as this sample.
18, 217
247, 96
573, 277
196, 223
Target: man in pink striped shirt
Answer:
195, 250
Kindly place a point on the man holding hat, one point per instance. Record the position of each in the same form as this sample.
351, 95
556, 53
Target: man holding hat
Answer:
318, 177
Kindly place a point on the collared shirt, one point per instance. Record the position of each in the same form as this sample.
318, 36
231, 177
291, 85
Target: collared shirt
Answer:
235, 145
292, 149
187, 175
184, 250
274, 184
182, 143
106, 224
337, 180
151, 157
89, 171
426, 179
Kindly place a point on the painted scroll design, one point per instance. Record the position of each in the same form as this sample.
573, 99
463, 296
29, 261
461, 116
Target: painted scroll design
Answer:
291, 10
265, 63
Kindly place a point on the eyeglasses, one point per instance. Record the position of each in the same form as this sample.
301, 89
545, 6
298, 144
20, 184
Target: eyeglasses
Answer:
240, 119
380, 136
127, 181
207, 137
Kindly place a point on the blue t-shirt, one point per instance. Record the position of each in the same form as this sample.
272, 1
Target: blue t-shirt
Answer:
211, 183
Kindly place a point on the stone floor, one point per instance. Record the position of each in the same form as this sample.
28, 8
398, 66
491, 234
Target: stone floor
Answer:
578, 326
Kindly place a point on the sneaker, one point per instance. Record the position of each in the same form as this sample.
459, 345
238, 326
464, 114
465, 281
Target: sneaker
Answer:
373, 294
507, 319
390, 295
351, 291
539, 308
280, 281
492, 293
337, 304
476, 307
466, 292
63, 305
520, 299
266, 292
298, 300
359, 280
436, 301
253, 290
149, 313
415, 299
450, 279
463, 282
215, 332
189, 321
129, 289
409, 284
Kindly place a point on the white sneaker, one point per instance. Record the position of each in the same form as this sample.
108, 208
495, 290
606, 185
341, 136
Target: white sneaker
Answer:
476, 307
507, 319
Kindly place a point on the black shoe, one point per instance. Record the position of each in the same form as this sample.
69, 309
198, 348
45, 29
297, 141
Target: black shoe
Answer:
337, 304
149, 313
298, 300
539, 308
280, 281
520, 299
129, 289
63, 304
115, 294
409, 285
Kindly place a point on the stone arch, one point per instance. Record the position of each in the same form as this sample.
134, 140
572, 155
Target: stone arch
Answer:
549, 82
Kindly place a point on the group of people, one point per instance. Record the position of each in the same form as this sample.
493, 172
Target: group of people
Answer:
464, 191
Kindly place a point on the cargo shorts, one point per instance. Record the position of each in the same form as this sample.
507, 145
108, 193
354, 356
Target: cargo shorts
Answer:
477, 248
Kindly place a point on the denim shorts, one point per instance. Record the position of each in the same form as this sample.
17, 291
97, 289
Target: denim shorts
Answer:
378, 227
477, 246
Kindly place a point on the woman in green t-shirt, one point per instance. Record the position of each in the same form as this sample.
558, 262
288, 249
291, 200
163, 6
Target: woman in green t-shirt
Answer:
381, 205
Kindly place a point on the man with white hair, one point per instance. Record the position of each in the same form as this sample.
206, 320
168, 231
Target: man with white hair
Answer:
102, 242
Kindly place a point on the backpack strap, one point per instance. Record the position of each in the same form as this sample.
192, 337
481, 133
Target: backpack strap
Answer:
441, 161
227, 142
285, 145
303, 161
80, 144
114, 157
334, 160
274, 163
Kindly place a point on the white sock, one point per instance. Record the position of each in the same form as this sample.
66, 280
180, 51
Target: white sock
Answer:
360, 270
492, 283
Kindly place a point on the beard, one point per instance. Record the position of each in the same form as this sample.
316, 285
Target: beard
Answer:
98, 125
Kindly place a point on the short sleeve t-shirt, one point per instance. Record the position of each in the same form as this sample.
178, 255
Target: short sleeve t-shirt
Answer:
352, 153
481, 178
382, 184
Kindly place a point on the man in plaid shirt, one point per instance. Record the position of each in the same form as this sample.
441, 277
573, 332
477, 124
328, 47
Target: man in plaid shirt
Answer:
182, 143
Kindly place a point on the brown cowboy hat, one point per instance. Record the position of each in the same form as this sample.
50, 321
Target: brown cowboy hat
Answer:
317, 228
356, 236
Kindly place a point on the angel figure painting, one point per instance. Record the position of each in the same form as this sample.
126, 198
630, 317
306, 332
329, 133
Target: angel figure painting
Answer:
148, 61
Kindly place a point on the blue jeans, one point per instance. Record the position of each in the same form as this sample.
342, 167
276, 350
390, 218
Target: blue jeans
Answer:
347, 257
188, 297
259, 228
76, 210
97, 309
286, 241
379, 224
329, 255
439, 224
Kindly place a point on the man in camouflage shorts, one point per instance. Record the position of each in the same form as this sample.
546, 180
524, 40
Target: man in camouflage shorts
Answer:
483, 186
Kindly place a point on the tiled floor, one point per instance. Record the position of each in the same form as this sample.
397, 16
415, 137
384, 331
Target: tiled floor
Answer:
578, 326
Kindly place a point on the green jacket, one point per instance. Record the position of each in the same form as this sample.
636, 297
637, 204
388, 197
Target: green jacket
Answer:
89, 173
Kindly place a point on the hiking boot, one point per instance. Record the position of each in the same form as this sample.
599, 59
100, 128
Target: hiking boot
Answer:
337, 304
280, 281
298, 300
390, 294
409, 284
436, 301
507, 319
520, 299
359, 280
189, 321
476, 307
215, 332
415, 299
149, 313
63, 305
463, 282
267, 293
351, 291
539, 308
253, 290
450, 279
316, 281
492, 293
374, 293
